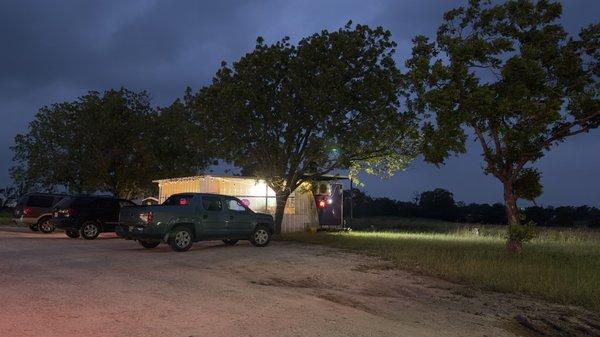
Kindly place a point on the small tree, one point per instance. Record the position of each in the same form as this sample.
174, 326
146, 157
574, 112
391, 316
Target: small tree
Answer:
292, 113
509, 75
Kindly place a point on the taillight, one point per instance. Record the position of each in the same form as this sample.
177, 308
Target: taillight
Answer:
26, 211
322, 203
70, 212
146, 217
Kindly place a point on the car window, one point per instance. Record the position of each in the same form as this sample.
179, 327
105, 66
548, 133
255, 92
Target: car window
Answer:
212, 203
40, 201
126, 203
234, 205
57, 199
64, 203
178, 200
106, 203
82, 202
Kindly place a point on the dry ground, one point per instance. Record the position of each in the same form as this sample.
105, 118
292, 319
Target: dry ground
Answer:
54, 286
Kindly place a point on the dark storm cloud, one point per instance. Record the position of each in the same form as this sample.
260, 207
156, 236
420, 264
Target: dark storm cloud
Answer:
53, 51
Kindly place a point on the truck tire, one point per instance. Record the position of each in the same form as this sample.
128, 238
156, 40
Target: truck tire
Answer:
230, 242
261, 236
45, 226
34, 227
73, 234
149, 244
90, 230
181, 239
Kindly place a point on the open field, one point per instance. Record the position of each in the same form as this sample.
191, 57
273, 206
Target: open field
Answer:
560, 265
54, 286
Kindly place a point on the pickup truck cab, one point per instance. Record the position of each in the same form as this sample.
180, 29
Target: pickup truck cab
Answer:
190, 217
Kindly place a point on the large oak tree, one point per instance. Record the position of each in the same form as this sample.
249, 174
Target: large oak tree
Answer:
294, 112
511, 77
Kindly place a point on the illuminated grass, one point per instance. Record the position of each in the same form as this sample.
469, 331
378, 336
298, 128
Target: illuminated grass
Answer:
561, 266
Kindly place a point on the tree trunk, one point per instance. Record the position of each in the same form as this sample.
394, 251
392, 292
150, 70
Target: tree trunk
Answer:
510, 201
512, 215
280, 201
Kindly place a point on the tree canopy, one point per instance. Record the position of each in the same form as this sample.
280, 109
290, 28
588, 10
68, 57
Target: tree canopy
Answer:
110, 142
509, 76
292, 113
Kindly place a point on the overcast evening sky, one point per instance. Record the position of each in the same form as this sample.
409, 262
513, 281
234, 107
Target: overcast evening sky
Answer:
54, 51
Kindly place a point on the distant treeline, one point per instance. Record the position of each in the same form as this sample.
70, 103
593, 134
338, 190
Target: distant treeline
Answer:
440, 204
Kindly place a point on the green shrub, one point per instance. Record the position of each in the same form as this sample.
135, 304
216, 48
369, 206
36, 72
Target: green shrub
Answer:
518, 233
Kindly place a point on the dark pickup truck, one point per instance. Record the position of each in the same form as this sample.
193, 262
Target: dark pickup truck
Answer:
189, 217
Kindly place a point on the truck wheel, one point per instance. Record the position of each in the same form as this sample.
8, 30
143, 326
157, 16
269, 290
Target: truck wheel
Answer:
90, 230
45, 226
181, 239
149, 244
34, 228
261, 236
230, 242
73, 234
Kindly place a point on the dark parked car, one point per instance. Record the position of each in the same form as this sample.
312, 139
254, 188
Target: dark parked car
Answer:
35, 211
189, 217
88, 215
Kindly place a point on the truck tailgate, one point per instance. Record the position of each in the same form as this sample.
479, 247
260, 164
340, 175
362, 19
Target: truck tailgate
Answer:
134, 216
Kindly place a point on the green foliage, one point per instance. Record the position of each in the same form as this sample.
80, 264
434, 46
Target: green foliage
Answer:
112, 141
180, 145
292, 113
527, 185
521, 233
8, 196
509, 75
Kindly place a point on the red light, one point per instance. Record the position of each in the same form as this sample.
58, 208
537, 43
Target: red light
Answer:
183, 201
26, 210
322, 203
70, 212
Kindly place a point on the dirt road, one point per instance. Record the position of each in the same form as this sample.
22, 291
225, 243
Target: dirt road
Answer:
54, 286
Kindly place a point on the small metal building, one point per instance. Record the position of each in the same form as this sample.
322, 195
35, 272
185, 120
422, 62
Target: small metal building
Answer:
300, 211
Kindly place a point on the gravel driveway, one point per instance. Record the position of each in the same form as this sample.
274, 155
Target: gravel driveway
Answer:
54, 286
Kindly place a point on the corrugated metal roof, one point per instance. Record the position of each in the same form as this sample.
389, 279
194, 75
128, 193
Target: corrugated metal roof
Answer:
325, 177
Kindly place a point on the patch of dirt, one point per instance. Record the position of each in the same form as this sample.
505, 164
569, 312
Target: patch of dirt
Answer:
465, 292
313, 281
365, 268
559, 325
344, 300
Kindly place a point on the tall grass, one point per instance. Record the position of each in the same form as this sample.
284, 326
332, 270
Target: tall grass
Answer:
559, 265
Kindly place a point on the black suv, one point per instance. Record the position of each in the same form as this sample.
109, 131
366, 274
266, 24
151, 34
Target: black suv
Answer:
88, 215
35, 211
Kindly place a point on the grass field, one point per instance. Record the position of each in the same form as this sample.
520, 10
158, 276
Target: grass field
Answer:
560, 265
